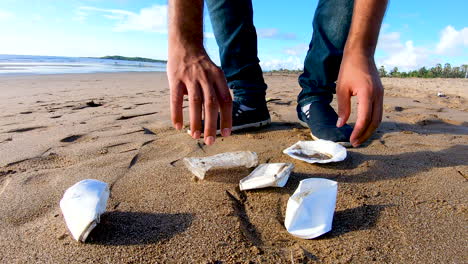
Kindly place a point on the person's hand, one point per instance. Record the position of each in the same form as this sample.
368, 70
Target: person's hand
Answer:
359, 77
204, 83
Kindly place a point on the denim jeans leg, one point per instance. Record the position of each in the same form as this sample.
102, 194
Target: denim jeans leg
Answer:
236, 37
331, 25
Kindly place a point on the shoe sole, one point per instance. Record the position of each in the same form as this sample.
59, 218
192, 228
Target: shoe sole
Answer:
344, 144
236, 128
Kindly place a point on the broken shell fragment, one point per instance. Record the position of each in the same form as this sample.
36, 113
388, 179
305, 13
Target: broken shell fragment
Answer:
199, 166
309, 212
82, 205
267, 175
317, 151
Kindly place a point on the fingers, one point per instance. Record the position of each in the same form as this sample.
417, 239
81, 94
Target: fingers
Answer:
377, 111
195, 106
211, 113
177, 99
225, 105
364, 117
344, 105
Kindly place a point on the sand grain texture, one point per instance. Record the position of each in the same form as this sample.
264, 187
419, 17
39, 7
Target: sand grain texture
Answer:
401, 197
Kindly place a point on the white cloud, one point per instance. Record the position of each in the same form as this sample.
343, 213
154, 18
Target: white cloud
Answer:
452, 41
5, 15
150, 19
299, 49
37, 18
274, 33
407, 58
390, 42
404, 55
291, 63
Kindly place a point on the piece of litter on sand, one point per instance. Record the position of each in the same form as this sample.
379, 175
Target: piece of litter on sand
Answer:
267, 175
199, 166
309, 212
317, 151
82, 206
440, 94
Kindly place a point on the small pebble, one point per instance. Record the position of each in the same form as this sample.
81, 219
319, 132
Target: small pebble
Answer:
103, 151
62, 236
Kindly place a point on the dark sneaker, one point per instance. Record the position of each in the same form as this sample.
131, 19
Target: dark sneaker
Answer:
244, 117
321, 119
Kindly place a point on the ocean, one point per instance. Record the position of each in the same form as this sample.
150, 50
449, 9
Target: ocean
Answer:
27, 65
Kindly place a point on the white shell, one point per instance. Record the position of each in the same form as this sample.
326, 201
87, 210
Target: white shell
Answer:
82, 205
199, 166
267, 175
306, 150
309, 212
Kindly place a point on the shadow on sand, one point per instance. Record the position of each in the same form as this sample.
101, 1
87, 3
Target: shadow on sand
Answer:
388, 167
354, 219
137, 228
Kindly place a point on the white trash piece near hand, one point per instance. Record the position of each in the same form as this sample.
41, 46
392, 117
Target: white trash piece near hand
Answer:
309, 212
199, 166
317, 151
267, 175
82, 205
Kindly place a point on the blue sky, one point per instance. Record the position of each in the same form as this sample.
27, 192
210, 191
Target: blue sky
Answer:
415, 33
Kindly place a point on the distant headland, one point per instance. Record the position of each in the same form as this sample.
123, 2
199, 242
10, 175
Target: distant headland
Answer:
116, 57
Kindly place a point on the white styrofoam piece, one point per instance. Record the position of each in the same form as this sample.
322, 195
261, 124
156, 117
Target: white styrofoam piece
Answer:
309, 212
82, 205
309, 151
199, 166
267, 175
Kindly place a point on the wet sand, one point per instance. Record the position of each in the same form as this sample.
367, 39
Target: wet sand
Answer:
401, 197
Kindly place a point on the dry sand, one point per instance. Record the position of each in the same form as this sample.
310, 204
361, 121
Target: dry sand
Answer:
402, 196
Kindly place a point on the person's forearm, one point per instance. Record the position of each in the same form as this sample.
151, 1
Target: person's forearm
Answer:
185, 26
365, 26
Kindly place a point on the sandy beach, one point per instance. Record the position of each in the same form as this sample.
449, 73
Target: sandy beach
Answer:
401, 196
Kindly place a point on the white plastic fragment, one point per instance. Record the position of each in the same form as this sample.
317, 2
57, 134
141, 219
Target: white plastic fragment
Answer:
317, 151
82, 205
199, 166
309, 212
267, 175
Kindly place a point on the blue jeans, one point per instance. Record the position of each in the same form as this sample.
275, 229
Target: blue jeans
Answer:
236, 37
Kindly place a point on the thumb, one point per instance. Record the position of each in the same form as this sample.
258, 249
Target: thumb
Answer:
344, 105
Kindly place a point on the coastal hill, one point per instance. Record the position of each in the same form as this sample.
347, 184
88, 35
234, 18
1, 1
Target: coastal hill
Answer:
116, 57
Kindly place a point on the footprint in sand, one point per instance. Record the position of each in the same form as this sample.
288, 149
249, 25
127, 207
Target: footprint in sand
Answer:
25, 129
5, 179
71, 139
125, 117
4, 184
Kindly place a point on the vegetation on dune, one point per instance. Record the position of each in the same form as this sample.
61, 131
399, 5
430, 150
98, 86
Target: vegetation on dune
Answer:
447, 71
435, 72
286, 71
116, 57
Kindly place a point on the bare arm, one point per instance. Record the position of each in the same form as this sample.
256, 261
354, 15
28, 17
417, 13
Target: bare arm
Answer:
358, 74
190, 71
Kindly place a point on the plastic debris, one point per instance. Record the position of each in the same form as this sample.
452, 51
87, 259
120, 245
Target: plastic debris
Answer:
317, 151
267, 175
82, 205
199, 166
309, 212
